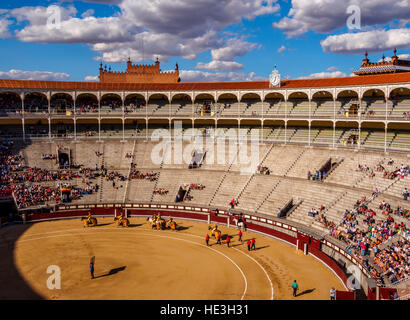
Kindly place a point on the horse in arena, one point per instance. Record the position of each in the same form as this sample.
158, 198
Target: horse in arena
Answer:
89, 222
240, 224
122, 221
156, 222
213, 231
171, 224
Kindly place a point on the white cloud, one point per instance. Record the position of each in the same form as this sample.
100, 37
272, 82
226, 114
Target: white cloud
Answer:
281, 49
4, 28
403, 56
320, 75
33, 75
202, 76
92, 78
88, 13
332, 69
233, 48
170, 27
38, 16
372, 41
324, 16
75, 30
220, 66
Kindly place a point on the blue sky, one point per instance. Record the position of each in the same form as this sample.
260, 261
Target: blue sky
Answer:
212, 40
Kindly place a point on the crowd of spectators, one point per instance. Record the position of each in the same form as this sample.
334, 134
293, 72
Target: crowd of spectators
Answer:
263, 170
48, 157
136, 174
393, 260
363, 232
160, 191
401, 171
33, 195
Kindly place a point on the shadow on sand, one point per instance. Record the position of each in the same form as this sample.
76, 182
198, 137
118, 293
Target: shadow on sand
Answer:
111, 272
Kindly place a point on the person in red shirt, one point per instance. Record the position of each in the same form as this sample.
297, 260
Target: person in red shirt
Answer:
240, 235
228, 240
248, 243
207, 239
253, 244
218, 238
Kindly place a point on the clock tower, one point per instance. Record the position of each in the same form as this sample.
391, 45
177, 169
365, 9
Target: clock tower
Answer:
274, 79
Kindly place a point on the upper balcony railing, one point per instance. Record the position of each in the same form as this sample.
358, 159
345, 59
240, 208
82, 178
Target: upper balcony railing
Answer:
257, 111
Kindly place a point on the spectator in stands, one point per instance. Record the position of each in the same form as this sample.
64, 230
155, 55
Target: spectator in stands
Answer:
405, 194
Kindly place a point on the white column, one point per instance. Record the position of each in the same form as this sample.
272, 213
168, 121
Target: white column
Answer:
385, 136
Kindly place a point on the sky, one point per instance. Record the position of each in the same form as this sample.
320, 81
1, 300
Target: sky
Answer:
211, 40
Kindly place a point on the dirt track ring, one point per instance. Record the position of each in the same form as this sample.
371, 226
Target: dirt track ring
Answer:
51, 237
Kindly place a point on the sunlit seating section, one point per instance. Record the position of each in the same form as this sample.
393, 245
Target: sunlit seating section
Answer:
401, 140
298, 107
274, 107
323, 108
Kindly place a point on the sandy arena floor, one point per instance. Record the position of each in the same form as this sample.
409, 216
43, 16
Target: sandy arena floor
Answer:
140, 263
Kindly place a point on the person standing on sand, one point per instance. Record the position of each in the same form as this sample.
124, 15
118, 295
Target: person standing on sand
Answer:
207, 239
248, 243
295, 287
240, 235
332, 293
92, 269
228, 240
253, 244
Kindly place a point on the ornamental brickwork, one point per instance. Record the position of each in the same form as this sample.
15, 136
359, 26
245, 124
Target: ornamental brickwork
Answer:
139, 74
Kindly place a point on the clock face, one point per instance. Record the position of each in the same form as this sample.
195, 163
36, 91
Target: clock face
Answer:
275, 79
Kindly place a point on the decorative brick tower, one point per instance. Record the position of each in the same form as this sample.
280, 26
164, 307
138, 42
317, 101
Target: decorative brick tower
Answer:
139, 74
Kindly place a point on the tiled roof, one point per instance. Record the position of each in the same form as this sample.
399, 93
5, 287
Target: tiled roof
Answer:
207, 86
382, 69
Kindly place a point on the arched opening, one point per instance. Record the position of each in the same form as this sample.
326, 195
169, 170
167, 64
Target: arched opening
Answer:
321, 133
158, 104
134, 103
61, 103
274, 104
399, 136
273, 130
111, 102
111, 128
134, 128
204, 105
62, 129
298, 104
251, 105
400, 101
86, 128
347, 133
372, 134
36, 128
35, 102
181, 104
86, 102
298, 132
10, 102
228, 105
347, 104
322, 104
373, 103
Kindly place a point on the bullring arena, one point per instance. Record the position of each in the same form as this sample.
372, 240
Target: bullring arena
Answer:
162, 265
315, 169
